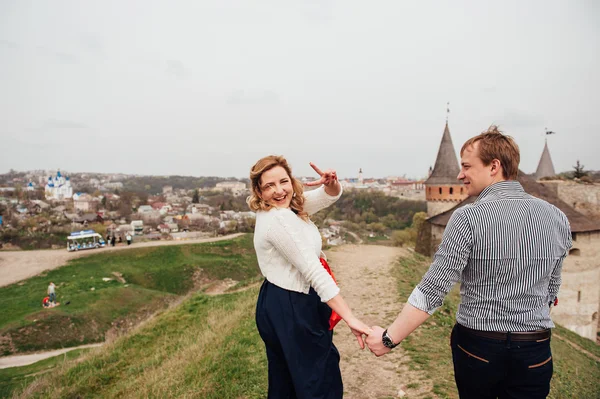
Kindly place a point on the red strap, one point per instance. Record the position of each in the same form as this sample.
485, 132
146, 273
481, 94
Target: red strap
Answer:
334, 318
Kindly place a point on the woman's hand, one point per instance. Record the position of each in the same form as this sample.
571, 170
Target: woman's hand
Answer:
358, 328
327, 178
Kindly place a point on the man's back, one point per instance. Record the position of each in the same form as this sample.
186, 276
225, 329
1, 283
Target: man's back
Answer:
518, 243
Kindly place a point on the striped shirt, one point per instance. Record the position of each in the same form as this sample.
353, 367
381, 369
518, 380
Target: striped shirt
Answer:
506, 249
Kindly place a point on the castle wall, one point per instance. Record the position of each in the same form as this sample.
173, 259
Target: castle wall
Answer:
437, 207
585, 198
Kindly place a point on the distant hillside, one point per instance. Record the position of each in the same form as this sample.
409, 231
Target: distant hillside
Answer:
367, 207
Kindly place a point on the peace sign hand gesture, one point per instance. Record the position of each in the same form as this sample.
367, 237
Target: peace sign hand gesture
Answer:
328, 178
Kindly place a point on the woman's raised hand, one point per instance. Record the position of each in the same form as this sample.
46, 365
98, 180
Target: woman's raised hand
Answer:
327, 178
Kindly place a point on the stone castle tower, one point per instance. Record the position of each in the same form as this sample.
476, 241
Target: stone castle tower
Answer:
443, 190
545, 167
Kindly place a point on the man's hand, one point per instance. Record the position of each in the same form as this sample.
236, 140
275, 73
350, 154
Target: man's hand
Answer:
375, 343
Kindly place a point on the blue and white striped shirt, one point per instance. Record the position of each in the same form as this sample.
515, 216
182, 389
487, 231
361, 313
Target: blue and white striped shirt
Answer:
506, 249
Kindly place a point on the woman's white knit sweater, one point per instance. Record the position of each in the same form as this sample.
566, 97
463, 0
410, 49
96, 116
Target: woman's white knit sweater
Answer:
288, 248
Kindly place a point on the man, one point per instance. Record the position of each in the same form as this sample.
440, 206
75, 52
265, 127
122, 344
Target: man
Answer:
128, 238
507, 250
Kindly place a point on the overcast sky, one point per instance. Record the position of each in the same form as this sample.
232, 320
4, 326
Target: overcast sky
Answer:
207, 87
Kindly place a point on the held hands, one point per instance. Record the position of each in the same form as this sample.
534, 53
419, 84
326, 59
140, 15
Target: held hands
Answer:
327, 178
358, 329
374, 342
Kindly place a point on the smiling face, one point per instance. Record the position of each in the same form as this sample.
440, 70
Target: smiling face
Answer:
276, 187
475, 175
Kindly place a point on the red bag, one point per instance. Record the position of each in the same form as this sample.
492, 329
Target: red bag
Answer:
334, 318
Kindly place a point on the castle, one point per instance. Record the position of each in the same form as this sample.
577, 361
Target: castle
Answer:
58, 188
579, 295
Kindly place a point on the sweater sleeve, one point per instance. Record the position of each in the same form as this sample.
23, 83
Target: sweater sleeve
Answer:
318, 199
285, 234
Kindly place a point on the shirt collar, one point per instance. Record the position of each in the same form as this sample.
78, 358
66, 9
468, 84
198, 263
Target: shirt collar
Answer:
504, 189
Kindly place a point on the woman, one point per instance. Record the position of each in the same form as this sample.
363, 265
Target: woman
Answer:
298, 294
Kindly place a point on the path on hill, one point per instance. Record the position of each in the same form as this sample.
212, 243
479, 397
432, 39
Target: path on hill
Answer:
363, 273
20, 265
24, 360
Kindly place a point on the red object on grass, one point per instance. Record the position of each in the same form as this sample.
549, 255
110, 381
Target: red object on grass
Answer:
45, 301
334, 318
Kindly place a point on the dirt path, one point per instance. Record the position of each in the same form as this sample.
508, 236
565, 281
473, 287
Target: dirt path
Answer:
20, 265
362, 272
24, 360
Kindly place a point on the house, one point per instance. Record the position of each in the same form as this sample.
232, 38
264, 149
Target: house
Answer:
36, 207
201, 208
84, 202
88, 218
59, 209
144, 208
236, 187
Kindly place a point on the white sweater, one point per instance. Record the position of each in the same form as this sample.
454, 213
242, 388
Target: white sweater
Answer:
288, 248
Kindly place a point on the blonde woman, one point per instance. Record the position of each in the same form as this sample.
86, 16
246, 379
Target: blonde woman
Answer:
298, 295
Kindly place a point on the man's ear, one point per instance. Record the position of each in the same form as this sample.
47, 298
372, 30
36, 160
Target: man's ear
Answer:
496, 167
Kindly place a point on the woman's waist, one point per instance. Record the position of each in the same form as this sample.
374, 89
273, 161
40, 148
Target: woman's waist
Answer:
292, 282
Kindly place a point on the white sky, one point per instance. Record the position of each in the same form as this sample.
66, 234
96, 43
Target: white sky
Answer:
208, 87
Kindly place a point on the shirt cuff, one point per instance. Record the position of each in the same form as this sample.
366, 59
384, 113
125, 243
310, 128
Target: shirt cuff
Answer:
419, 300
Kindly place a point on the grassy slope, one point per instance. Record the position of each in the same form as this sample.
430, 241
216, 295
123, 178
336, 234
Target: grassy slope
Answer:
208, 347
575, 374
19, 377
154, 276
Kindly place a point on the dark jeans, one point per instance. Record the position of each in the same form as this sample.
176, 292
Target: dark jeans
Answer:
303, 361
489, 368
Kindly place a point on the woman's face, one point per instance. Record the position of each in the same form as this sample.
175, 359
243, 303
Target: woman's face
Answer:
276, 187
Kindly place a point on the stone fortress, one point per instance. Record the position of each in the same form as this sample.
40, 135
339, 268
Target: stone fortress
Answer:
579, 296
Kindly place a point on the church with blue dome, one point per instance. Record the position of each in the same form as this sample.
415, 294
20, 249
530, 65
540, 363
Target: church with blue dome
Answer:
58, 187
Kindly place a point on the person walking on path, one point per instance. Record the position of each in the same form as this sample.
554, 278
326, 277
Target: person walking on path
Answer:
507, 250
113, 240
128, 238
296, 300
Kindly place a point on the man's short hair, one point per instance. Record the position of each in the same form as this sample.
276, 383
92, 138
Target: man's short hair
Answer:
494, 144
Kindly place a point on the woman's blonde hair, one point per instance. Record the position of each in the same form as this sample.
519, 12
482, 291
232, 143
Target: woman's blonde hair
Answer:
267, 163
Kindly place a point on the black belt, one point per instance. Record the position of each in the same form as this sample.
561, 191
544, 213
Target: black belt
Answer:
538, 335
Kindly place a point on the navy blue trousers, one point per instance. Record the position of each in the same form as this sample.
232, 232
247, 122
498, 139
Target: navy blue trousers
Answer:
489, 368
303, 362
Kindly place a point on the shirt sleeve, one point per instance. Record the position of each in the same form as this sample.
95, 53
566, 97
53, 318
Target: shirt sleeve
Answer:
318, 199
448, 263
555, 277
286, 234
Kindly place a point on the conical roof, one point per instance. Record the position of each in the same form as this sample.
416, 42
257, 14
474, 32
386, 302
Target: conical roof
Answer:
545, 167
446, 167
